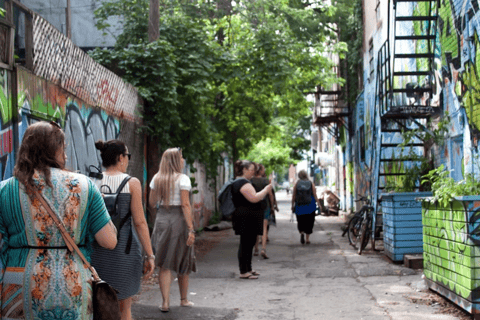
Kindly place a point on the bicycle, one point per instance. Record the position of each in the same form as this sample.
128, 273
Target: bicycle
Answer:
354, 228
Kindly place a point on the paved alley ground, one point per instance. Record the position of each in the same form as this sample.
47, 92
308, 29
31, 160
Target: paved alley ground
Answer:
324, 280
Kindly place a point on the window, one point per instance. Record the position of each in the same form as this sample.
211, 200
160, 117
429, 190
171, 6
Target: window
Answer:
362, 143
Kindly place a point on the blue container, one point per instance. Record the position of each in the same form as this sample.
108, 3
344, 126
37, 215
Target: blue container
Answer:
402, 224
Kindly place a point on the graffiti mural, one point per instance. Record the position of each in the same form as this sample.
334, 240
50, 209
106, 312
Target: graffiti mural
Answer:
451, 250
83, 124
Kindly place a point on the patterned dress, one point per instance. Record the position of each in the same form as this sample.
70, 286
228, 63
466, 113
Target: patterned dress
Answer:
40, 283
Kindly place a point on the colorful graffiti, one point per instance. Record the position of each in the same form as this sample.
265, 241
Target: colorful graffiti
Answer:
83, 124
451, 250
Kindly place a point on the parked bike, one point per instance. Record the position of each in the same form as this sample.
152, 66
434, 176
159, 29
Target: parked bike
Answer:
360, 225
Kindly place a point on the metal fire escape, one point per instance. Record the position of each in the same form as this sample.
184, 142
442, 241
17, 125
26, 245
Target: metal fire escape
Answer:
404, 90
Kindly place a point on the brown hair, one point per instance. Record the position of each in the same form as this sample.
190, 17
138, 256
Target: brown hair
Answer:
170, 167
303, 175
38, 150
240, 165
259, 169
110, 151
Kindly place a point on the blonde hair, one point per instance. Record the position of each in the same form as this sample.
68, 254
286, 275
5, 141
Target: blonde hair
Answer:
169, 169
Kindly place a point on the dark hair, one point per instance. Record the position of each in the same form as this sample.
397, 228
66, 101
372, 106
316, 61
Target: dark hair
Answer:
240, 165
259, 168
110, 151
38, 151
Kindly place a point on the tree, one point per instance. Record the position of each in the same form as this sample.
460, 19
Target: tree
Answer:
209, 96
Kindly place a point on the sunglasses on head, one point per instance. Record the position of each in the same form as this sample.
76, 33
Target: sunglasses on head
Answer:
56, 125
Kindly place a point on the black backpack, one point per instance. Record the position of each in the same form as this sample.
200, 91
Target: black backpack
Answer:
225, 198
111, 202
304, 192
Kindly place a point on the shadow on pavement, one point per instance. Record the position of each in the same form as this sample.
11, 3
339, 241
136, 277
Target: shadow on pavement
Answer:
144, 312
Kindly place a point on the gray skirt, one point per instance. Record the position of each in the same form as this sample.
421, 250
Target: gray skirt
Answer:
169, 239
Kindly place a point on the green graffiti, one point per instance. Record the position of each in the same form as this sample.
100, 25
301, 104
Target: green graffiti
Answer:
471, 97
349, 174
451, 257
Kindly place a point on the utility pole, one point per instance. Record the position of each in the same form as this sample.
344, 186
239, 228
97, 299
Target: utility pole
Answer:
154, 21
68, 13
152, 149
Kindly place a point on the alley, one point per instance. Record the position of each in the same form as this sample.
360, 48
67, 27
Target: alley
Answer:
323, 280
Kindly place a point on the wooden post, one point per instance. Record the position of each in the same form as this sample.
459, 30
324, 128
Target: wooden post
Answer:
154, 21
29, 41
68, 13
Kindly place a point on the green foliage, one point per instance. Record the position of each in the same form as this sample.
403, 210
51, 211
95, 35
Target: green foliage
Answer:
220, 74
445, 188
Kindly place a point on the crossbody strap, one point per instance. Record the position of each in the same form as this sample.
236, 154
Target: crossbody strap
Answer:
66, 237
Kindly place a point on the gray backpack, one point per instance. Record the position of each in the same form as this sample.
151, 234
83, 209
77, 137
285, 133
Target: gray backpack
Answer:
304, 192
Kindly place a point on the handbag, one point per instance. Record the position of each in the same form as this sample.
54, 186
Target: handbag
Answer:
104, 296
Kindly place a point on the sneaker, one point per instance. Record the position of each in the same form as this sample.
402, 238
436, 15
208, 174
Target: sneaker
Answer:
302, 238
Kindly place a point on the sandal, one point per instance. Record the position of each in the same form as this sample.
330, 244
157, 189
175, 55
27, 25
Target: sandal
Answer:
255, 273
164, 310
264, 254
255, 253
249, 276
188, 304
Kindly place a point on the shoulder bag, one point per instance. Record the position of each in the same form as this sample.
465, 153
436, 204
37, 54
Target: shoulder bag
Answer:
104, 297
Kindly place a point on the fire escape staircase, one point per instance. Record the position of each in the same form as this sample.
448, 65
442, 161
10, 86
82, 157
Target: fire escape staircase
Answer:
330, 110
403, 96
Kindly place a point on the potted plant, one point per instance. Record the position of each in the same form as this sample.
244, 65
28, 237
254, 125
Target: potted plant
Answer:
451, 235
402, 214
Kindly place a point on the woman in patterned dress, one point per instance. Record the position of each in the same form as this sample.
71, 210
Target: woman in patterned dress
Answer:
41, 279
122, 267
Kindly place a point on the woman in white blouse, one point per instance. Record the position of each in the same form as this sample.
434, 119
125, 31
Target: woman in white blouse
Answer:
173, 235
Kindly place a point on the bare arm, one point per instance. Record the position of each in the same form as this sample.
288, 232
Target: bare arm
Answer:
293, 196
248, 191
107, 236
187, 213
140, 223
314, 190
272, 200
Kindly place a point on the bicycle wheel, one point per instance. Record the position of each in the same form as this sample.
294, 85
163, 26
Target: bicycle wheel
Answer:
365, 232
352, 230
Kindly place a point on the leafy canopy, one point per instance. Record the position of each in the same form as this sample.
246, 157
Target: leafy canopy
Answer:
223, 72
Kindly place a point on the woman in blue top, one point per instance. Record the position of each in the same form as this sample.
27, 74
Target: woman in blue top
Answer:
304, 200
41, 279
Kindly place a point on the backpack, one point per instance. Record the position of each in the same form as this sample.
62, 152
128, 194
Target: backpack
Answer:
304, 193
225, 198
111, 202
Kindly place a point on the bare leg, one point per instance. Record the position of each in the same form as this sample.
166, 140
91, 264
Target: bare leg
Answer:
126, 308
183, 286
255, 252
265, 234
165, 281
307, 236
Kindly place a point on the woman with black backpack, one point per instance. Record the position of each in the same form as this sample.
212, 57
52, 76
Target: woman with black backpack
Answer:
304, 200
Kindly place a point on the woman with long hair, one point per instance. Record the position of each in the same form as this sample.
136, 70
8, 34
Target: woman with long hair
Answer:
173, 234
42, 279
122, 267
248, 216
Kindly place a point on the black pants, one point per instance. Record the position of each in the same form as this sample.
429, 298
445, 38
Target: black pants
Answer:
305, 222
245, 251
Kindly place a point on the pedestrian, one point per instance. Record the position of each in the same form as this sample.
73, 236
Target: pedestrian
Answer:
247, 219
42, 279
122, 267
304, 200
259, 182
173, 234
